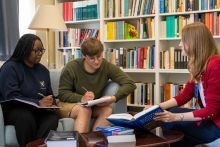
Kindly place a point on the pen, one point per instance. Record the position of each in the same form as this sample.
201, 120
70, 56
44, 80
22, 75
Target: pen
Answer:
40, 94
84, 89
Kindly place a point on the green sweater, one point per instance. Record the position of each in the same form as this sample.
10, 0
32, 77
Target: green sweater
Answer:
74, 77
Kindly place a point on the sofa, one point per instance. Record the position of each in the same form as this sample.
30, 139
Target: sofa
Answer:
7, 133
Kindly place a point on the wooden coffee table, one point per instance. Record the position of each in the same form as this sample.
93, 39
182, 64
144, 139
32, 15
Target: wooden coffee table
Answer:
143, 139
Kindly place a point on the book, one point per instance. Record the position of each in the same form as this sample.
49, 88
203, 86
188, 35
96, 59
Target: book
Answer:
122, 141
115, 130
62, 138
34, 104
141, 120
96, 101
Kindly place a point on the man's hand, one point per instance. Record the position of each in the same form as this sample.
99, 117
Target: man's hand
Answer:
88, 96
110, 101
46, 101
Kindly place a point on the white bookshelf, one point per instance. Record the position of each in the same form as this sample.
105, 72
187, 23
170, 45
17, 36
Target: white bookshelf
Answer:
157, 75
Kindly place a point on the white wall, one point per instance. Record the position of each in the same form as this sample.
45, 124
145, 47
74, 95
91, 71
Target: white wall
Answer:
26, 13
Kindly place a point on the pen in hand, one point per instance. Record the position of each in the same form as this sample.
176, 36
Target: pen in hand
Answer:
84, 89
40, 94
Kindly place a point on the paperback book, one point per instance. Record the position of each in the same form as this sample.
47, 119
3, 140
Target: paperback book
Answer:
115, 130
34, 104
62, 138
141, 120
96, 101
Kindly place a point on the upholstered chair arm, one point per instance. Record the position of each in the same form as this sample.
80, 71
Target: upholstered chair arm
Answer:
2, 129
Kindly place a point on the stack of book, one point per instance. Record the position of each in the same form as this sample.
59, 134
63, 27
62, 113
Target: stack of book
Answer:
62, 138
118, 136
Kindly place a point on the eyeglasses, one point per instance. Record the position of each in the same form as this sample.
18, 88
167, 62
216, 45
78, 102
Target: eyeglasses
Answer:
93, 58
39, 50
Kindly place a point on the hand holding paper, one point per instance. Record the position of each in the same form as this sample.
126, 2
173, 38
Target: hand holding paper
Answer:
46, 101
97, 101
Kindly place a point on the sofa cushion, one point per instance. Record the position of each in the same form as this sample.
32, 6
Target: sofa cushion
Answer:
55, 79
10, 136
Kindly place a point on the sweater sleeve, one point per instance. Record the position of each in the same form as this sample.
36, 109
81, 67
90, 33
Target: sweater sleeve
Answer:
10, 88
126, 84
66, 86
211, 92
187, 94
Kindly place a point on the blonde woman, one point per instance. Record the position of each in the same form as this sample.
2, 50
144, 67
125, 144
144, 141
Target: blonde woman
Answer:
200, 125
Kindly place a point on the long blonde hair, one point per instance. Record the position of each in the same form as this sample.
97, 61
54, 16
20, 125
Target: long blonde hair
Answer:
201, 46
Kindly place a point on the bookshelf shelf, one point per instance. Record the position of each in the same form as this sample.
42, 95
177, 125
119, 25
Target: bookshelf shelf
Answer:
130, 40
173, 71
189, 12
129, 17
83, 21
139, 70
133, 105
68, 48
165, 39
217, 37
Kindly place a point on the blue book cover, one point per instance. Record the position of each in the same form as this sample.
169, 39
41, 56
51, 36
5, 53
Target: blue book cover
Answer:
115, 130
141, 120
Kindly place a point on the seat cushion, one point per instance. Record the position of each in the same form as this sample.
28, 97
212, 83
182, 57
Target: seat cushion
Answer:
10, 136
215, 143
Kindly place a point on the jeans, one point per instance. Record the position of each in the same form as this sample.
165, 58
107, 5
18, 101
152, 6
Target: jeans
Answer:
194, 134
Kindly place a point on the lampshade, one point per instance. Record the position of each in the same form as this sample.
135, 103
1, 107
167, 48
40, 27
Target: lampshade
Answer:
48, 17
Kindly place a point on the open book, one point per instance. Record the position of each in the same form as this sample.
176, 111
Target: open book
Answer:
96, 101
34, 104
141, 120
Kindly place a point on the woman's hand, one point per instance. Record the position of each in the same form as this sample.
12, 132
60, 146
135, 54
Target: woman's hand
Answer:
88, 96
167, 116
147, 107
46, 101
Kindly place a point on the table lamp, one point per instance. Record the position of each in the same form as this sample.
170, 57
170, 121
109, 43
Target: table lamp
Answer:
48, 17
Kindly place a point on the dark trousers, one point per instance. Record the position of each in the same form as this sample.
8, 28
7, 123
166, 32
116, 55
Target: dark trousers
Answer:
194, 134
30, 123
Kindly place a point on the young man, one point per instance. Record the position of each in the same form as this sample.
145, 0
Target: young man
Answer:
84, 79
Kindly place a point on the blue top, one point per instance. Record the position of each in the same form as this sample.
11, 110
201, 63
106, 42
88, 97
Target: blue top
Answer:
17, 80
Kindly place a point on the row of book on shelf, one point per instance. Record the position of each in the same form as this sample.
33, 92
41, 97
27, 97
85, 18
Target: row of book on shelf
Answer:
123, 8
173, 59
169, 90
132, 29
129, 58
144, 94
135, 58
171, 26
74, 37
80, 10
171, 6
